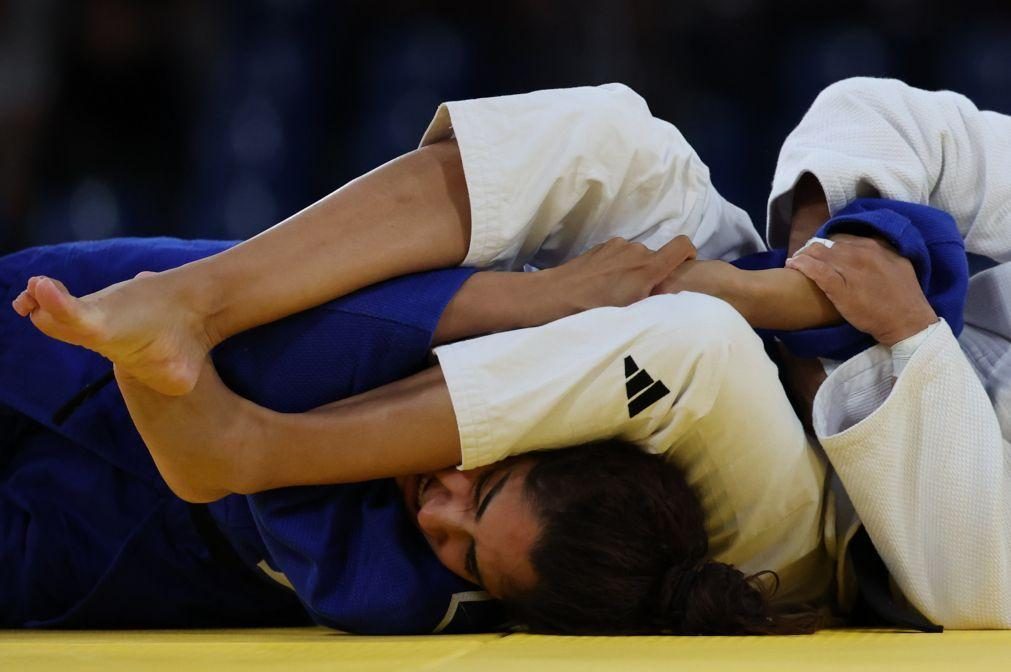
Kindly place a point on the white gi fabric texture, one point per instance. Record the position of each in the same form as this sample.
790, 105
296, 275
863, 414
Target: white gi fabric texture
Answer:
553, 173
926, 463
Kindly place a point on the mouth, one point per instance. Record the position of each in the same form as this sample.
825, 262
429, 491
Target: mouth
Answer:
423, 483
414, 488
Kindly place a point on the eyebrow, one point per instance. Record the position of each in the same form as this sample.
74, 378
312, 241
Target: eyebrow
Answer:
471, 561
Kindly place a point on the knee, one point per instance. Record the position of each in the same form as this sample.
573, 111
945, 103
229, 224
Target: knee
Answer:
612, 115
861, 90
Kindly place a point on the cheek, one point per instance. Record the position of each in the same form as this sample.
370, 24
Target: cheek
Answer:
453, 554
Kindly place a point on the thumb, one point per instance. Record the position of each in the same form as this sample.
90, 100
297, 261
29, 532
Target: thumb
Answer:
673, 254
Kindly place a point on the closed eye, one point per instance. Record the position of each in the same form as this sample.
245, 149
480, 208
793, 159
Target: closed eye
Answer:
481, 504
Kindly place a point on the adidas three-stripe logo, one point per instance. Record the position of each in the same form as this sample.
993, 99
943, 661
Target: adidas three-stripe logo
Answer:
641, 389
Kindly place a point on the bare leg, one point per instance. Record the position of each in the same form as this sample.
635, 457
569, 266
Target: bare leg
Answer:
409, 215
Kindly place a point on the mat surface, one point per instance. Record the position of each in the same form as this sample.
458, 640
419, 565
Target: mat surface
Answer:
295, 650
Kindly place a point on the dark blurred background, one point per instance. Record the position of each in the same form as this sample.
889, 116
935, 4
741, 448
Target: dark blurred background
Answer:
217, 119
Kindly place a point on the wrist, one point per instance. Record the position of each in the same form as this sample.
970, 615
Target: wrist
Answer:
756, 295
908, 328
543, 298
744, 290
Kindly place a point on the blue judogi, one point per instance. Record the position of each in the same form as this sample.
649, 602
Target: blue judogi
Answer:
90, 536
928, 237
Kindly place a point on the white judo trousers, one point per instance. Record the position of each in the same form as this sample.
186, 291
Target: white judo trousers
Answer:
922, 458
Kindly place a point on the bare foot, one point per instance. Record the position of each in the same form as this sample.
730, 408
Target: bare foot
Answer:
143, 325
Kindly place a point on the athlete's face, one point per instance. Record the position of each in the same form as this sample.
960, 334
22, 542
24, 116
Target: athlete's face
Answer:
478, 522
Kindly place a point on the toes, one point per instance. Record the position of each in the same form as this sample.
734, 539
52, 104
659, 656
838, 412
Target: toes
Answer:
24, 304
52, 296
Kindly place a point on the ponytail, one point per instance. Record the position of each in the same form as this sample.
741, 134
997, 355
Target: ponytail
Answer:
720, 599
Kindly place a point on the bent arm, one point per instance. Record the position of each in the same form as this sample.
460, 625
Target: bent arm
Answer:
929, 474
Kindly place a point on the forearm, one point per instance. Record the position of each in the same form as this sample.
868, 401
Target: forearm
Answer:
493, 301
406, 427
783, 299
776, 298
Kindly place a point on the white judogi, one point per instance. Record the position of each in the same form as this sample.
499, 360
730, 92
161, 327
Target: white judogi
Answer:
926, 461
552, 173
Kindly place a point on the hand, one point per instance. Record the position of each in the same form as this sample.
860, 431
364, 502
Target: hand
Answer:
873, 288
614, 273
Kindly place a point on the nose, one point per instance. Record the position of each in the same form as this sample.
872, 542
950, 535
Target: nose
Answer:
446, 510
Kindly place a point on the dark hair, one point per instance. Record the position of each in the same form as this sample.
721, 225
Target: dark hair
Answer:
623, 550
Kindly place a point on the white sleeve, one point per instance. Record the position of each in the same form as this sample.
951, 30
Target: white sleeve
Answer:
881, 137
552, 173
986, 340
682, 375
929, 474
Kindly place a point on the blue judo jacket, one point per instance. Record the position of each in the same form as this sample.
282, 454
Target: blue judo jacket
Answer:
90, 536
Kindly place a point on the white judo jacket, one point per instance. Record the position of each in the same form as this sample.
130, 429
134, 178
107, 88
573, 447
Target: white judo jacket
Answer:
551, 174
924, 455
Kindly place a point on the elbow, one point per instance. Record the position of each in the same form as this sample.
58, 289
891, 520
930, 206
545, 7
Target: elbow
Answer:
718, 329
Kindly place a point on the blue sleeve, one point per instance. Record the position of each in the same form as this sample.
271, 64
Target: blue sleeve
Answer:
928, 237
347, 346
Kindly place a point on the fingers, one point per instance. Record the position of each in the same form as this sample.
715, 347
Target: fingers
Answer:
678, 250
672, 255
819, 271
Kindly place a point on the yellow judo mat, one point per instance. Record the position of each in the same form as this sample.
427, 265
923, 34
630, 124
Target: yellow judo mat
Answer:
295, 650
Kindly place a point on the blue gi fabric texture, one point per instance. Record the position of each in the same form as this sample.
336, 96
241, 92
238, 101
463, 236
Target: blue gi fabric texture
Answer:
928, 237
90, 536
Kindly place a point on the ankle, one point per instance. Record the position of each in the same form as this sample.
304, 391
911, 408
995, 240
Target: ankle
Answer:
199, 298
